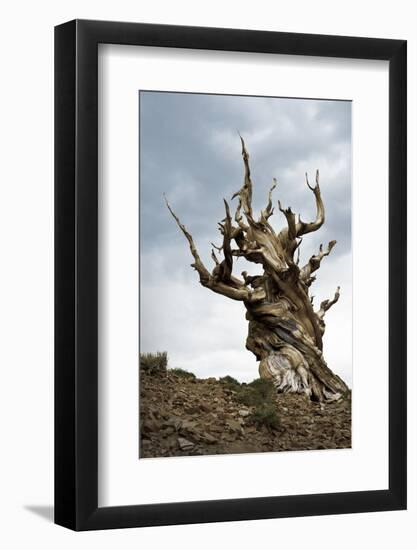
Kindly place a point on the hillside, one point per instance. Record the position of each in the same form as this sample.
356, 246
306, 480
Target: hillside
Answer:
182, 415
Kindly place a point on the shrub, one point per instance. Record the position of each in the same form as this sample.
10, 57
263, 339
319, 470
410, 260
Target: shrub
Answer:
183, 373
154, 363
258, 392
230, 382
266, 415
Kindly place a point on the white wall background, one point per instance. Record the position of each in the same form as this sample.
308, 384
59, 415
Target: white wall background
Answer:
26, 275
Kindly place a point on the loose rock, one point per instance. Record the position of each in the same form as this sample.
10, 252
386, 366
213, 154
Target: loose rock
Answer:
184, 416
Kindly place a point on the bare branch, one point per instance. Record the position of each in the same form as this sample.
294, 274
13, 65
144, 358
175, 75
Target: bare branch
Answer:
303, 228
327, 304
239, 294
227, 264
238, 215
236, 289
247, 180
307, 182
267, 213
291, 232
214, 257
245, 192
297, 247
218, 248
198, 264
315, 261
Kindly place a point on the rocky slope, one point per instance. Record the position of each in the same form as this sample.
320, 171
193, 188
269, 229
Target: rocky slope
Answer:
182, 415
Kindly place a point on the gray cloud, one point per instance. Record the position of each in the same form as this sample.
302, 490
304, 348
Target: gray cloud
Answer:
190, 149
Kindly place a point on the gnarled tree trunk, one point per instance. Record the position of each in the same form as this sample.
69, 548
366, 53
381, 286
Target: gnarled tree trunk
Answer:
285, 333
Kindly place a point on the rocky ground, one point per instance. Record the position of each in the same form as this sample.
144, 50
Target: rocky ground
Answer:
181, 416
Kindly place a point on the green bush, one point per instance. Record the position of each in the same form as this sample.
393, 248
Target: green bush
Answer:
154, 363
230, 382
260, 395
183, 373
258, 392
266, 415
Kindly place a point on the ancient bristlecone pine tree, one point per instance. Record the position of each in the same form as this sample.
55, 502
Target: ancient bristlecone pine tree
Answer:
285, 333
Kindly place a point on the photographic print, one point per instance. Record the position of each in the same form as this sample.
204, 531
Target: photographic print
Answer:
245, 274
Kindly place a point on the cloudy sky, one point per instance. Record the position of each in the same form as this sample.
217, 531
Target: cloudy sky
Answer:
190, 150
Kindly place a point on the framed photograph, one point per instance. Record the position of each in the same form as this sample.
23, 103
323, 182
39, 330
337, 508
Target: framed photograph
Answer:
230, 253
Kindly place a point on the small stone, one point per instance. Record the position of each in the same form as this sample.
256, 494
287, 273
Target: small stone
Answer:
168, 431
188, 425
234, 426
192, 410
148, 426
217, 429
173, 421
184, 444
244, 412
208, 438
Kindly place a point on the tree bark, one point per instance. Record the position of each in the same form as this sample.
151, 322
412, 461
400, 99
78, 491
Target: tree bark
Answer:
285, 333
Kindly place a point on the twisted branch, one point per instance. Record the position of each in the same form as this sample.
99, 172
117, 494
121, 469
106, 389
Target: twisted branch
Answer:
314, 263
234, 288
327, 304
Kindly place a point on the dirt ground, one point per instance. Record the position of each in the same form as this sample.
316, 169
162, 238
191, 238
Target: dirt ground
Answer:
183, 416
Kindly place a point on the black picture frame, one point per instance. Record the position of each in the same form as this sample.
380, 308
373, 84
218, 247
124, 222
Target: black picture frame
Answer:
76, 272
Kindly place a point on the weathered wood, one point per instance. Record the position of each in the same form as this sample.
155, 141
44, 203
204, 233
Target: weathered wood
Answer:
285, 333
